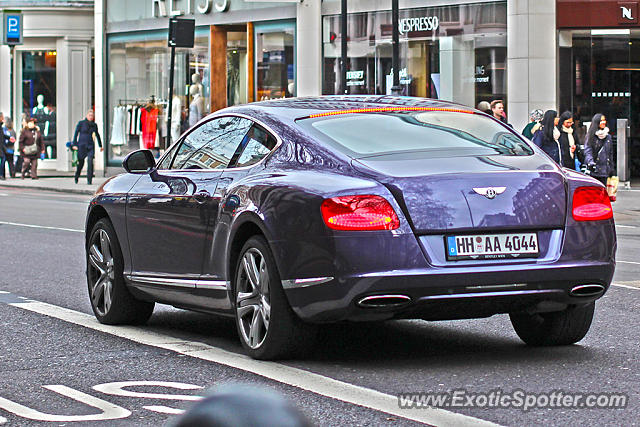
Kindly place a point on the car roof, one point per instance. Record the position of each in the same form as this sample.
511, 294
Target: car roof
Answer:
296, 108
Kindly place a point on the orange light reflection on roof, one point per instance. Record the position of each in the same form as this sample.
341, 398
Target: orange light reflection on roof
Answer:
382, 109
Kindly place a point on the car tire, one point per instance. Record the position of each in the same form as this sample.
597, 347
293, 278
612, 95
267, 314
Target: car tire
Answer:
267, 326
557, 328
111, 301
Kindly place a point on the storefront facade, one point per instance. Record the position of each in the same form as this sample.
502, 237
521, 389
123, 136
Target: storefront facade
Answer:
454, 52
244, 51
599, 63
57, 49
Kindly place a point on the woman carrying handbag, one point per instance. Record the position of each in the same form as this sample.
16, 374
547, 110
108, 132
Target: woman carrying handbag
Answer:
598, 149
31, 146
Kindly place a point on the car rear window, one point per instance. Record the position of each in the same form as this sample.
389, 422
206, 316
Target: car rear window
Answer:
441, 131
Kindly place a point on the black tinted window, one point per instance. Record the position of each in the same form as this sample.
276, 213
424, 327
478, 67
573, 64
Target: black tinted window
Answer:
256, 145
438, 131
213, 144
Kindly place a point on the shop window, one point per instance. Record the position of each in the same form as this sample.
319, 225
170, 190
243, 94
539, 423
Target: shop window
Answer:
456, 53
139, 88
275, 65
39, 95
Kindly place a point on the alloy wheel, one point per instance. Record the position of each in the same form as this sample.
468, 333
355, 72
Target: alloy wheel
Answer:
252, 298
102, 272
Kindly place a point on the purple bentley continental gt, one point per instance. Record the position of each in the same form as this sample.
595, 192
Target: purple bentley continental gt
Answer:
291, 213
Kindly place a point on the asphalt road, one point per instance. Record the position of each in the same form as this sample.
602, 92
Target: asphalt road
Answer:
48, 338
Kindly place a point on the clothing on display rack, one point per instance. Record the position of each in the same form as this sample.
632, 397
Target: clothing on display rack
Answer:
119, 127
149, 125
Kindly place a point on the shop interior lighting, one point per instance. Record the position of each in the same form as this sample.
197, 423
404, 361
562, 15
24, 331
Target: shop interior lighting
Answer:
611, 32
623, 67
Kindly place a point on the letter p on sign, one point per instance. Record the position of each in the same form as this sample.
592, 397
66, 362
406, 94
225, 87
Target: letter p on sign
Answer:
12, 32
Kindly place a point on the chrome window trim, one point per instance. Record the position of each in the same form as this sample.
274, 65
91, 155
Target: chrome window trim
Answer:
279, 141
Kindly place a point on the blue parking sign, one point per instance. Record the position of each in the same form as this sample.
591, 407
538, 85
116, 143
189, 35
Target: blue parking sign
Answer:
12, 28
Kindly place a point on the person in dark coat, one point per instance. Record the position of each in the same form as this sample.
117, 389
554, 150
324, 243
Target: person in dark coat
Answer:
9, 136
568, 145
83, 138
29, 137
598, 149
547, 136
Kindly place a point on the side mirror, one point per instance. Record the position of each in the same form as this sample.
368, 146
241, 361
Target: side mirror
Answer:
140, 162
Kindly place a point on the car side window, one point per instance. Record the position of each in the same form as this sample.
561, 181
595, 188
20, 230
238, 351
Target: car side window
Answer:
221, 140
165, 163
257, 144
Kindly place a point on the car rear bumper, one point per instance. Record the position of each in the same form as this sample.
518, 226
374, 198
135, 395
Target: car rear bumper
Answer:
446, 293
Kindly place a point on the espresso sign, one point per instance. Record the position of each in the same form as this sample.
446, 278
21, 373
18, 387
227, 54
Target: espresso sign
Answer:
421, 24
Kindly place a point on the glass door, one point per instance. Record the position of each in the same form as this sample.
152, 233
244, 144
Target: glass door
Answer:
38, 95
604, 76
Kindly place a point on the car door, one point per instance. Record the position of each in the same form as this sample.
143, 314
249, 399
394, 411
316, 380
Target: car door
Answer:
169, 209
255, 146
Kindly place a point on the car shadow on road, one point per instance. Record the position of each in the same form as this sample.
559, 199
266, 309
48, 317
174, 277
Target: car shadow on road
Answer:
411, 342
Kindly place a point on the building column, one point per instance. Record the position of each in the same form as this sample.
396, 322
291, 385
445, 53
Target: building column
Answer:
73, 92
309, 48
5, 81
218, 70
531, 58
99, 79
456, 76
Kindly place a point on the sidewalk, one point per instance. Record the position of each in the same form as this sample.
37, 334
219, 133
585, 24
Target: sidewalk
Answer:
56, 181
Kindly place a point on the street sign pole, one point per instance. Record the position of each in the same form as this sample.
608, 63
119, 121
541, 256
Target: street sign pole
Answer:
12, 26
181, 34
170, 105
12, 52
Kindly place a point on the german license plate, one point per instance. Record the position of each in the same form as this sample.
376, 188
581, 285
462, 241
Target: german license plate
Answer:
492, 246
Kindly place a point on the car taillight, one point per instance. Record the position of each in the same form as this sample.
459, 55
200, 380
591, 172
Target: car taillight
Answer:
591, 204
359, 213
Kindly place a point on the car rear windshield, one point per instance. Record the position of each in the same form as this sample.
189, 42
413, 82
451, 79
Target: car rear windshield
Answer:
443, 132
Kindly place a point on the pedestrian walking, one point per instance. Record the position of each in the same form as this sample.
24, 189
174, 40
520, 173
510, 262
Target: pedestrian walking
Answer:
485, 107
497, 109
534, 123
569, 150
83, 141
598, 149
547, 136
9, 147
31, 146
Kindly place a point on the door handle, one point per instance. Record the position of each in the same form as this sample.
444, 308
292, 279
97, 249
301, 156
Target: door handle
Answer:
202, 196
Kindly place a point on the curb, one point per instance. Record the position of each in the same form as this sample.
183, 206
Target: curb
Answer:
56, 189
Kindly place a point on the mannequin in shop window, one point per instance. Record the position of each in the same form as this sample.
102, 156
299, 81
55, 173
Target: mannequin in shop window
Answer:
176, 118
149, 124
196, 107
41, 113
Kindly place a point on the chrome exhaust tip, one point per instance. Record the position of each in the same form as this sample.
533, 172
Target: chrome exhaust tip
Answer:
384, 301
590, 290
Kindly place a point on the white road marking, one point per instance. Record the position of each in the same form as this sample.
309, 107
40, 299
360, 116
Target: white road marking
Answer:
3, 195
628, 262
108, 411
117, 389
165, 410
626, 226
16, 224
283, 374
622, 285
